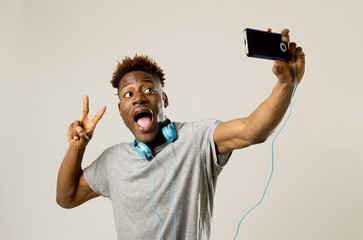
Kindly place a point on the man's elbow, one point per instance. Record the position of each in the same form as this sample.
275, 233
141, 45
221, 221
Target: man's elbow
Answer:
257, 140
67, 204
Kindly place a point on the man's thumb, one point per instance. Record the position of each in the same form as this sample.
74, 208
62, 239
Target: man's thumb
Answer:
82, 133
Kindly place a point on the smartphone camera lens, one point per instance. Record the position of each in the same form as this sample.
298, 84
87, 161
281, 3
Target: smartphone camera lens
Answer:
283, 47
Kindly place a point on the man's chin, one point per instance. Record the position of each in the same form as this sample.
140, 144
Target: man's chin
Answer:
148, 137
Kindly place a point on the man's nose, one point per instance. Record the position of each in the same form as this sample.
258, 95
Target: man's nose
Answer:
139, 98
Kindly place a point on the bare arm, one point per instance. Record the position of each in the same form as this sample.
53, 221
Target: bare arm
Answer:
259, 125
72, 188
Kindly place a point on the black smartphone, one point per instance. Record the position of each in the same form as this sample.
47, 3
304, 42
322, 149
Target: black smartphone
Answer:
266, 45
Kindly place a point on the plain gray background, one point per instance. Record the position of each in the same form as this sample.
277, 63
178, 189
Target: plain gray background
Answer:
54, 52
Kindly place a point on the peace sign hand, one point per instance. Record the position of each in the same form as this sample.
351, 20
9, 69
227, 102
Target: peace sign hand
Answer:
81, 132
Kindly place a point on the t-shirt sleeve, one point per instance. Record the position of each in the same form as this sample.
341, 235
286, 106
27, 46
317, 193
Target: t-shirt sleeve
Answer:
203, 132
96, 175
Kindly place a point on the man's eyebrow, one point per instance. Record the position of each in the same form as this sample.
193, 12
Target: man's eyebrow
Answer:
143, 80
148, 80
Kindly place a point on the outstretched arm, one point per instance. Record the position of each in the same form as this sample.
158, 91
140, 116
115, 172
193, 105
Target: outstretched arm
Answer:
72, 188
261, 123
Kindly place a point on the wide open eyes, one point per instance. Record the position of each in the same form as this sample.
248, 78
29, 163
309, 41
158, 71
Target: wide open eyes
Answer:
128, 95
147, 91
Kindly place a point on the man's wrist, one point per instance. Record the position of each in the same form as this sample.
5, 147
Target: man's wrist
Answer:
77, 148
287, 85
285, 88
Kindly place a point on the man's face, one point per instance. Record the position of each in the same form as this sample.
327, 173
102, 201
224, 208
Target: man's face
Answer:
142, 103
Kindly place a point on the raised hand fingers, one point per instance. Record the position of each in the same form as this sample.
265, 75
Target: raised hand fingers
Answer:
298, 52
285, 36
77, 135
81, 133
300, 62
99, 115
72, 131
85, 107
292, 50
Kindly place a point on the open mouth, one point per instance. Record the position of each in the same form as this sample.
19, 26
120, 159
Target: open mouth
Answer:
143, 119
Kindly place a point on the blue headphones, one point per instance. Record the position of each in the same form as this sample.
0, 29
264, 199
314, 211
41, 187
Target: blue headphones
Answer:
170, 135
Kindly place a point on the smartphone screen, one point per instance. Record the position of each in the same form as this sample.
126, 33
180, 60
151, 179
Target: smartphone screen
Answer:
267, 45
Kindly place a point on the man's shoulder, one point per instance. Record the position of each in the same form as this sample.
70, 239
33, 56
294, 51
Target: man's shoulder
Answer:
204, 121
197, 127
119, 147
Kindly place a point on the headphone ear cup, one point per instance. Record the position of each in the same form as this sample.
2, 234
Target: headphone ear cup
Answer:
165, 130
169, 132
144, 151
172, 131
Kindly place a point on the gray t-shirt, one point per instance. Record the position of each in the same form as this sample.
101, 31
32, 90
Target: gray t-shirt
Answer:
122, 175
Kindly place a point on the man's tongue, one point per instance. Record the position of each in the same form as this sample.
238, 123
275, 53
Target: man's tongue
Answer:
144, 123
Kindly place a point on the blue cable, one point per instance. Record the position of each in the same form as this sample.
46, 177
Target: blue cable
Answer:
172, 188
153, 197
272, 153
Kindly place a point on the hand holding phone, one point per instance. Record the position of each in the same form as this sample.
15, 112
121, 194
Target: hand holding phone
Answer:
276, 46
265, 44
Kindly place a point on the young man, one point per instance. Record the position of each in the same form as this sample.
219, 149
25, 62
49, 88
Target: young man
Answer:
168, 191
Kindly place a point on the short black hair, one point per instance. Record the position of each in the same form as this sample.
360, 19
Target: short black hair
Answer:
137, 63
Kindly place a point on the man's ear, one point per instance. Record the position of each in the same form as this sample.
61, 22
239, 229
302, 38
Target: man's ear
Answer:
118, 104
165, 100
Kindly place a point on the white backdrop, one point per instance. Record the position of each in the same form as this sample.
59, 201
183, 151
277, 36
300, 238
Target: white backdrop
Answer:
54, 52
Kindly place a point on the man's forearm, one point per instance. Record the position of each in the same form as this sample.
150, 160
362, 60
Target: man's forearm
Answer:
69, 174
263, 121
